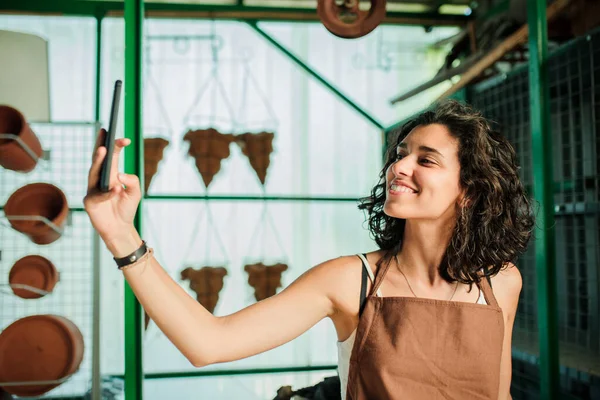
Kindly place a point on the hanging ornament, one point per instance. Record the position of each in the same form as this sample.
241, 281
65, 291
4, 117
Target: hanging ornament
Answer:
265, 279
258, 148
153, 154
347, 20
207, 283
208, 147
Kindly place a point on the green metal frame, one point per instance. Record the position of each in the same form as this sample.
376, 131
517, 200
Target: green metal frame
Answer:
237, 11
314, 74
134, 164
545, 258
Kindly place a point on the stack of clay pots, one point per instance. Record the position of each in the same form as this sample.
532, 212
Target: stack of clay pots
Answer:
38, 348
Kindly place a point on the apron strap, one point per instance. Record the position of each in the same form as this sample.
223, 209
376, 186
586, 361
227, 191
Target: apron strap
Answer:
379, 275
488, 293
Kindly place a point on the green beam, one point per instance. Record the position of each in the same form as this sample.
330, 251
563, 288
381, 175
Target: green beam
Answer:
236, 11
134, 156
543, 190
253, 198
329, 86
231, 372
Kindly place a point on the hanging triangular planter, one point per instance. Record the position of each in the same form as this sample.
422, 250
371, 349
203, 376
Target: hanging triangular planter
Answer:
207, 283
208, 147
258, 148
265, 279
153, 154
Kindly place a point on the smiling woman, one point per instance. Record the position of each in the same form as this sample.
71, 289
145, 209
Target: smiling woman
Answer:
448, 213
452, 158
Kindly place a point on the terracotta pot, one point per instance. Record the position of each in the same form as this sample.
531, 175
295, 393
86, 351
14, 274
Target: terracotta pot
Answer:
209, 147
207, 282
347, 20
265, 279
258, 148
12, 155
38, 199
35, 271
39, 348
153, 154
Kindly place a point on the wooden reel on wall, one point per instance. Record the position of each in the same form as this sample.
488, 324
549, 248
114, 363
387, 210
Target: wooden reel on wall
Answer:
346, 20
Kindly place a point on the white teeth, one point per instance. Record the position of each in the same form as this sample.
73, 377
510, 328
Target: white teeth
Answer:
399, 188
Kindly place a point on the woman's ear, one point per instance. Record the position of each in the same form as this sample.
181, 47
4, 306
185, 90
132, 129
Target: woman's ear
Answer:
464, 201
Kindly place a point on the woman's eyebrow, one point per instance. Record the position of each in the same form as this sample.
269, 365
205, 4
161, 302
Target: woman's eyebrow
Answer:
422, 148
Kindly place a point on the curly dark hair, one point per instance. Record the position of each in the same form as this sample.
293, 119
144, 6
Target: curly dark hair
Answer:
497, 223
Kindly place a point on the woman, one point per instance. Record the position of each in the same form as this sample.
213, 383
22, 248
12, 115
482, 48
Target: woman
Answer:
448, 213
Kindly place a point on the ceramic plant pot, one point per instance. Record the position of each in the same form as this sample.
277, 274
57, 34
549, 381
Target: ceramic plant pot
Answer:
265, 279
206, 282
38, 199
39, 348
12, 155
347, 20
208, 147
258, 148
35, 271
153, 154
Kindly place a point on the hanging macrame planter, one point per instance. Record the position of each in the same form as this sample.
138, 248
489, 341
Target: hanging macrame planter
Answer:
208, 147
258, 148
153, 154
347, 20
207, 283
265, 279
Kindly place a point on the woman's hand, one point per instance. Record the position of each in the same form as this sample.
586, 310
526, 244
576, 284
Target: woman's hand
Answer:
112, 213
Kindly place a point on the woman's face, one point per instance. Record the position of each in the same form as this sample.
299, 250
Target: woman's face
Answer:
427, 162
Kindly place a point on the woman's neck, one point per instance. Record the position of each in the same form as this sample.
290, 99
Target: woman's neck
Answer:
423, 248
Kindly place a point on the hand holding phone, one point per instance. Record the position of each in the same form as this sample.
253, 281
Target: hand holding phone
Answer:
109, 139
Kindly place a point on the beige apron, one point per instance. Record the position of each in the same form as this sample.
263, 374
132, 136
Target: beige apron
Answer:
412, 348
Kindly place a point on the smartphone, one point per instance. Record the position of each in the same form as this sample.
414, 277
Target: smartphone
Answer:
109, 139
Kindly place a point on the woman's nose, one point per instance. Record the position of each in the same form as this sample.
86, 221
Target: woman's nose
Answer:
403, 166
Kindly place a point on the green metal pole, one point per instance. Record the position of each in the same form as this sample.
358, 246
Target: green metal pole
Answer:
134, 156
314, 74
545, 259
96, 393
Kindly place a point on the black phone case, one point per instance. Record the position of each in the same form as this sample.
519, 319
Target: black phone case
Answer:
109, 139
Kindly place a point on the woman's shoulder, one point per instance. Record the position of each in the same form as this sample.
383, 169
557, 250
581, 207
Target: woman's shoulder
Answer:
341, 278
507, 285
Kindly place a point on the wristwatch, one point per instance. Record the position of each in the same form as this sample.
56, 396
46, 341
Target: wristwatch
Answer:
133, 257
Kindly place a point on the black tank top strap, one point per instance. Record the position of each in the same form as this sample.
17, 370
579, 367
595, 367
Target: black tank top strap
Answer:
363, 287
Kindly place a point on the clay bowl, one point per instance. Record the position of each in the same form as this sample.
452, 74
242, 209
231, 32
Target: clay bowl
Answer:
38, 199
39, 348
12, 155
35, 271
